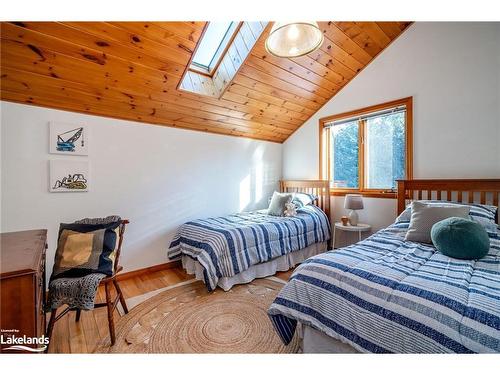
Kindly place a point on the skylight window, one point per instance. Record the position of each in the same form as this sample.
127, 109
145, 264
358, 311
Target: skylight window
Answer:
212, 45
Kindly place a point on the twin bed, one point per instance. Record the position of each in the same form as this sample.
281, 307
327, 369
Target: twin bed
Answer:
236, 249
381, 295
388, 295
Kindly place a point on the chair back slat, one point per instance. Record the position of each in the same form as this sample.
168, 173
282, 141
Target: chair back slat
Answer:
121, 232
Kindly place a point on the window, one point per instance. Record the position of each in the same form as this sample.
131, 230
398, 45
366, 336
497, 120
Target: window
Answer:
212, 46
367, 150
344, 154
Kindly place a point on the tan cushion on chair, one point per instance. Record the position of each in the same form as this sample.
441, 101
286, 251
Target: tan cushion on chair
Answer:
77, 248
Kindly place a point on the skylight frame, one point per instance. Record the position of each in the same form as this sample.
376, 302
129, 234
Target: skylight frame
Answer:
221, 51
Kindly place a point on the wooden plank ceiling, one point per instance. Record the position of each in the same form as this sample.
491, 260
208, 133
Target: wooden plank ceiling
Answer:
131, 70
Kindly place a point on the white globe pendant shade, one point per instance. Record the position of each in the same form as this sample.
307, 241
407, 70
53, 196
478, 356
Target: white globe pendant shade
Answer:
293, 39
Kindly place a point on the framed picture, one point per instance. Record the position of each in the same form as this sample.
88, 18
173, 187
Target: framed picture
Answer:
68, 139
69, 176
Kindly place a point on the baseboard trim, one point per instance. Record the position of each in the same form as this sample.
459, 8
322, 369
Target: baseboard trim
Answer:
155, 268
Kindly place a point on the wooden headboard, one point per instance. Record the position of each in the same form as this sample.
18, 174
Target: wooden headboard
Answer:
485, 191
320, 188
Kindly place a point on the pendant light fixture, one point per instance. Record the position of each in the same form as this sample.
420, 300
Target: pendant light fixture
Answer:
293, 39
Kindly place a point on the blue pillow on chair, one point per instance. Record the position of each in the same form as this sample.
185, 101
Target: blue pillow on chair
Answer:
83, 249
460, 238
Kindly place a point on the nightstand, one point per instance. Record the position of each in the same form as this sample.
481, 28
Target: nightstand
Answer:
350, 228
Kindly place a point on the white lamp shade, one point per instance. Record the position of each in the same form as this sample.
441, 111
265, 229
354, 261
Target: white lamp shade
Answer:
353, 202
293, 39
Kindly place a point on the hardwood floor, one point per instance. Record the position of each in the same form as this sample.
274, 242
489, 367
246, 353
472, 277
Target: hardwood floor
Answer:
83, 336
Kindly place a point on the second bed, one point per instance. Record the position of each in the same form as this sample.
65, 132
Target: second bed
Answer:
235, 249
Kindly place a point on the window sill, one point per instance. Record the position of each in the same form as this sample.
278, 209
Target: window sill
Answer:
366, 193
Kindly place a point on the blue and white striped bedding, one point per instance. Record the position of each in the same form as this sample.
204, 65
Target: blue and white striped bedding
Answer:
387, 295
226, 246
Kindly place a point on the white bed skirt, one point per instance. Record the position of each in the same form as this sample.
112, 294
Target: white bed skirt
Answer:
282, 263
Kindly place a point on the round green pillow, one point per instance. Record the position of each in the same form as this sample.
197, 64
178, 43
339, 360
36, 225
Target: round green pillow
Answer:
460, 238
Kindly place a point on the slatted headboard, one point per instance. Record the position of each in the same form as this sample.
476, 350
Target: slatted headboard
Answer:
485, 191
320, 188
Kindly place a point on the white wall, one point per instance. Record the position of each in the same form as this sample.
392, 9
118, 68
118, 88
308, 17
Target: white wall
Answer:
452, 70
157, 177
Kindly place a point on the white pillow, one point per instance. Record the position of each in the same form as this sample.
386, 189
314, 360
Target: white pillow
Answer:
424, 216
303, 199
278, 203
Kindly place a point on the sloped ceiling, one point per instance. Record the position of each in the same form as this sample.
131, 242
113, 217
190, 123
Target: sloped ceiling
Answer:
131, 70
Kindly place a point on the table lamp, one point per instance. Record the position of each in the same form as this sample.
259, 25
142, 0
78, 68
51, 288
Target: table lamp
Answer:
353, 202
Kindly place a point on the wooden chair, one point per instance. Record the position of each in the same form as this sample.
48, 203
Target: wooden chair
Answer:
110, 303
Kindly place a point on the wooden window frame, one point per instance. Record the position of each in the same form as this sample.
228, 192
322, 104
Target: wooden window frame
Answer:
212, 72
324, 147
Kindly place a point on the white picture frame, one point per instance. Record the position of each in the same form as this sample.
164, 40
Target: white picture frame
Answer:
69, 176
68, 139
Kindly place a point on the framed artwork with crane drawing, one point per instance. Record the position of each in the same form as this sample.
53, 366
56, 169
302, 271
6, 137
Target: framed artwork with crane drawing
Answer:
68, 139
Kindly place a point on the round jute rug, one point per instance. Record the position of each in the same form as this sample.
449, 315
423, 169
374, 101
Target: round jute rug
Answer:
188, 319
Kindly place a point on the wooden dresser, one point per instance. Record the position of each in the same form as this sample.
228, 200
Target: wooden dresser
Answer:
22, 283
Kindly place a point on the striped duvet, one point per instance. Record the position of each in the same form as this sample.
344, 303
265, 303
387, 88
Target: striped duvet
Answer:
226, 246
386, 295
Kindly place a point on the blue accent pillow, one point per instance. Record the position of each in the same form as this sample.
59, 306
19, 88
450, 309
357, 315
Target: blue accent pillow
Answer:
460, 238
83, 249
